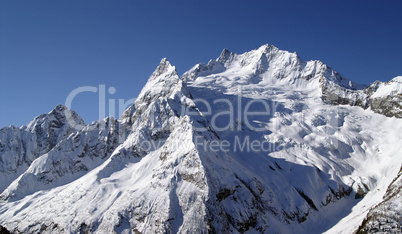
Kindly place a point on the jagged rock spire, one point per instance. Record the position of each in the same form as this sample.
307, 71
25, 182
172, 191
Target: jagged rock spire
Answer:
164, 82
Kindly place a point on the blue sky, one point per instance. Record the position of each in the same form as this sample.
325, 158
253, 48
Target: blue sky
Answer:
49, 48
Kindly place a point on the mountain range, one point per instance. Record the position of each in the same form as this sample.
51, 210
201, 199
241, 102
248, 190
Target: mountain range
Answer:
259, 142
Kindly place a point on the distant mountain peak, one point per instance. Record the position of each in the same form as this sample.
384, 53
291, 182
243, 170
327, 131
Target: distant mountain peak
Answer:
164, 67
225, 56
59, 108
267, 48
59, 116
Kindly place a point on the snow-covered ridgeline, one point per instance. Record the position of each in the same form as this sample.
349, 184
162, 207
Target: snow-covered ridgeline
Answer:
157, 168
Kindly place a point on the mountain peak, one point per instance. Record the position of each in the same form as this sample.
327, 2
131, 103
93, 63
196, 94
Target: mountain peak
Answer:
225, 56
267, 48
164, 82
59, 109
164, 67
61, 115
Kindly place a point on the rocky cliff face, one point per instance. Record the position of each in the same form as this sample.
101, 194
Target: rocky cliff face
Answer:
188, 156
381, 97
386, 216
386, 97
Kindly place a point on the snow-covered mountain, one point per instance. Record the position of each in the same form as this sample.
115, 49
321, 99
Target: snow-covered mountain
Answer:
19, 147
255, 142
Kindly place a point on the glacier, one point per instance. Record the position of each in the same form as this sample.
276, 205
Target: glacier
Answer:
259, 142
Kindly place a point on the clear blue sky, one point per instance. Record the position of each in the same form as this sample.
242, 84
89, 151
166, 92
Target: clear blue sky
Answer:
49, 48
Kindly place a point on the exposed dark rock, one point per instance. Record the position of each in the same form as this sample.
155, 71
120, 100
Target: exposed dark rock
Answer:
307, 199
385, 217
4, 230
223, 193
389, 106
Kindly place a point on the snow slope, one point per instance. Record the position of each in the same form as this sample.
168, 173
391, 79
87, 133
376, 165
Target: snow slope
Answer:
393, 86
255, 142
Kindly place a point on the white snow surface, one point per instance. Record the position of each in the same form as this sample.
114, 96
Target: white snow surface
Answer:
393, 86
156, 170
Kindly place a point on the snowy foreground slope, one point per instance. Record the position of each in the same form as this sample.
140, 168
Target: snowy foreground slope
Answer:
256, 142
